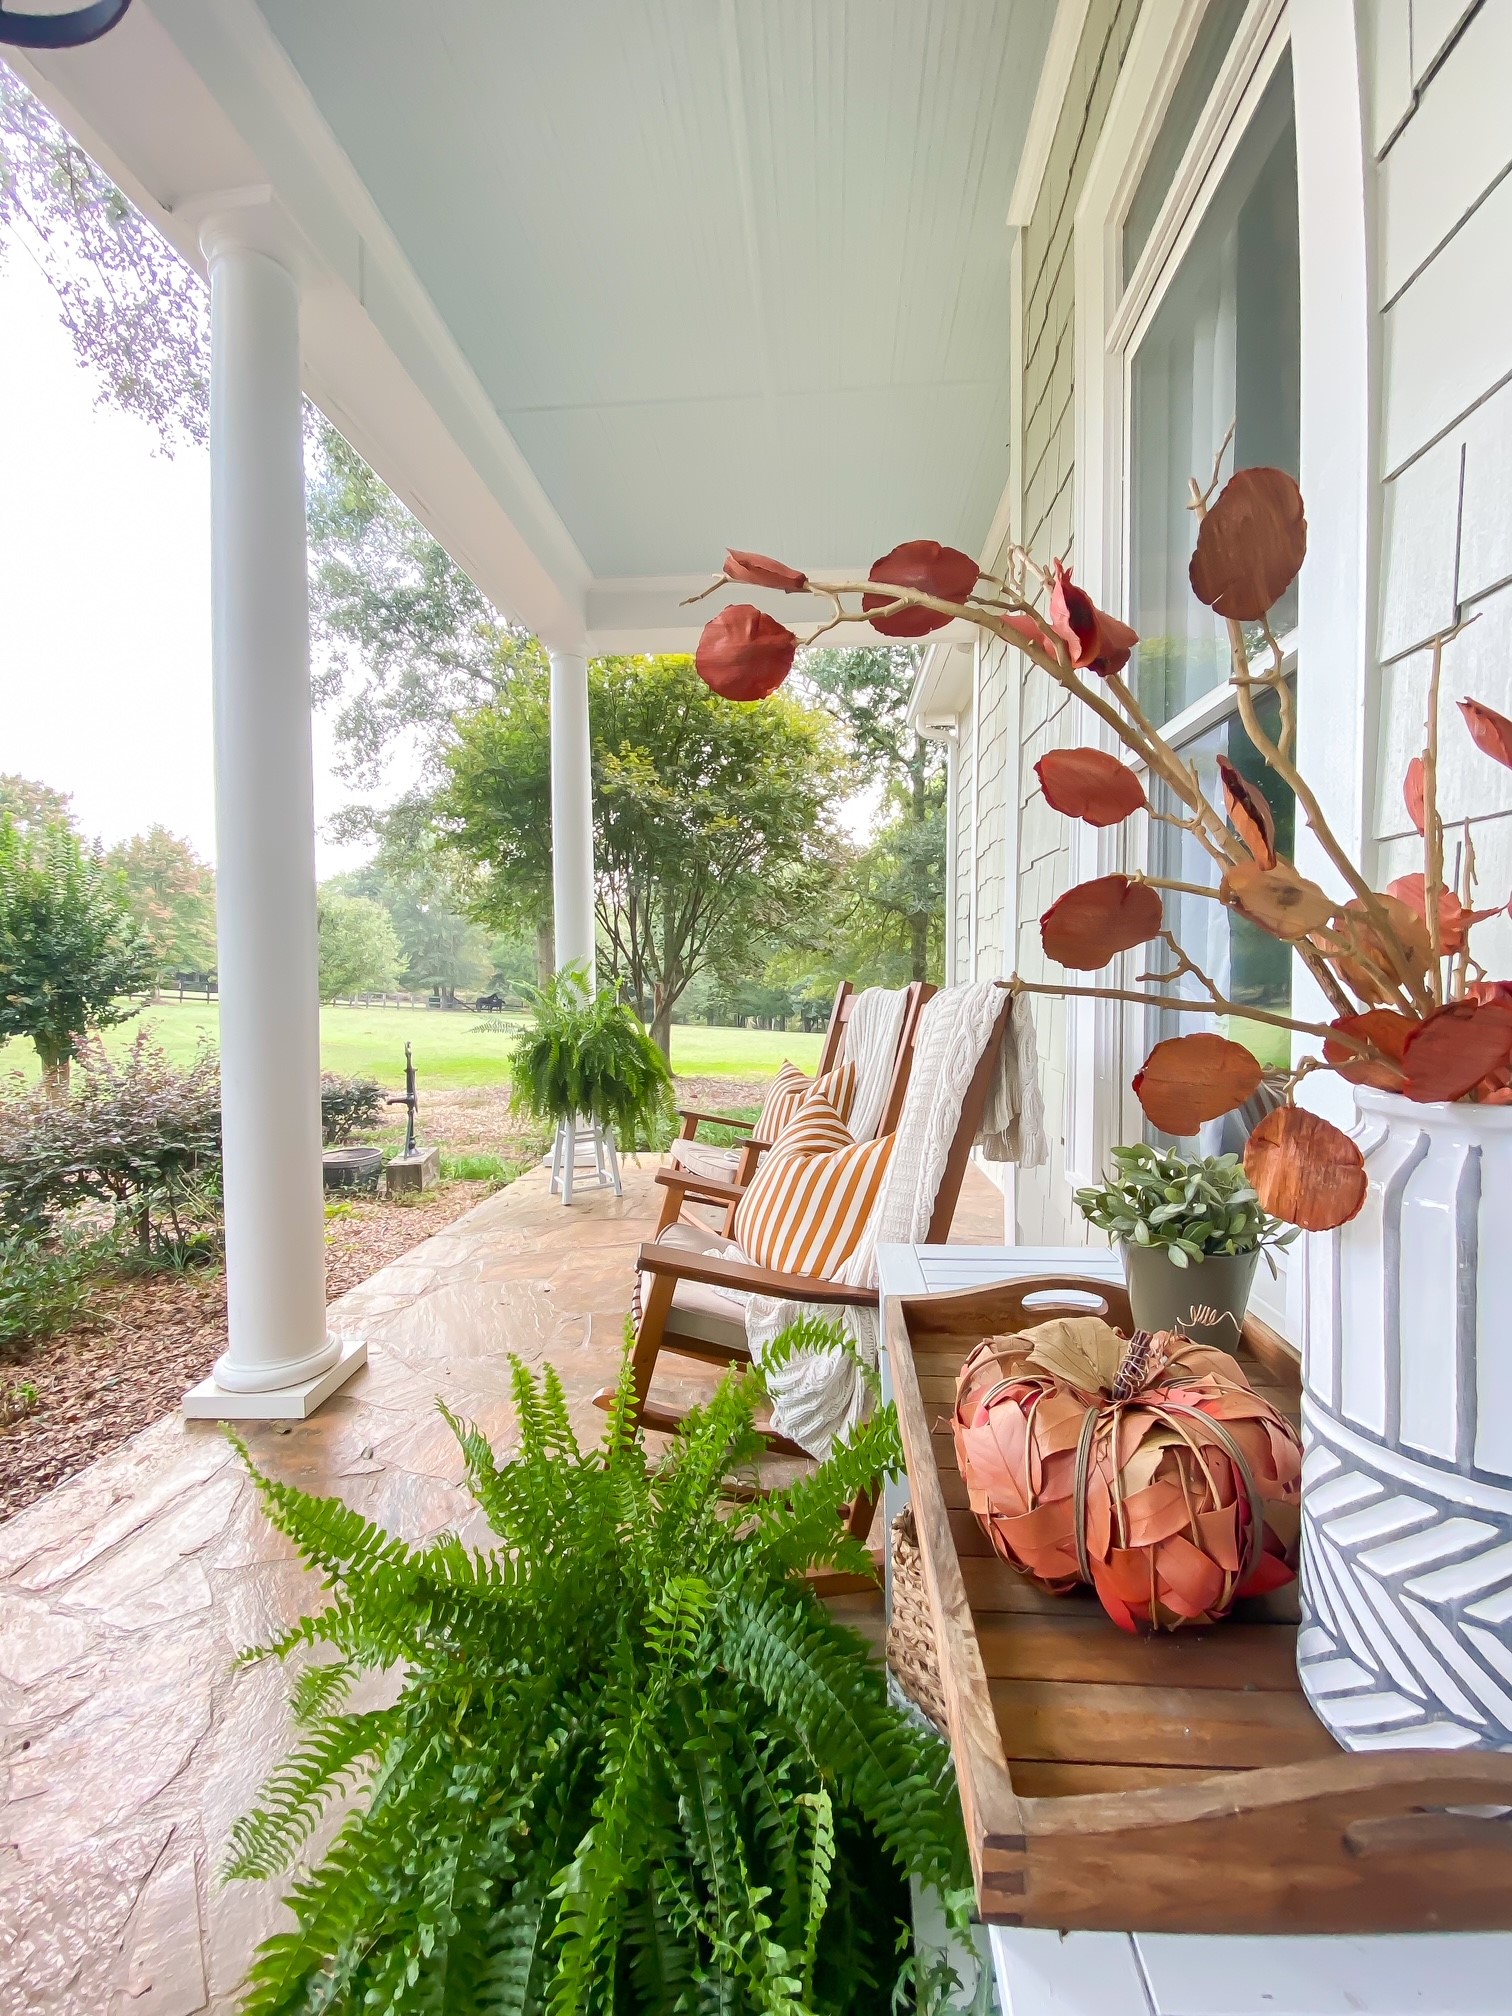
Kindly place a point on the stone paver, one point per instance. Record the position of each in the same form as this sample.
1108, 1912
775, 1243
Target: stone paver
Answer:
131, 1742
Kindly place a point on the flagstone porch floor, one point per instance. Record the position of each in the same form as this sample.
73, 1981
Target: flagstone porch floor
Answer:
130, 1743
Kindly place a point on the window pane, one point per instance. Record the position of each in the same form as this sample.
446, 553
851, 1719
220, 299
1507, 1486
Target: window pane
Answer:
1223, 349
1198, 76
1251, 968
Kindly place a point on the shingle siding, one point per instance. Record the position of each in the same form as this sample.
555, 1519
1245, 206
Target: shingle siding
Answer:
1046, 1214
1435, 91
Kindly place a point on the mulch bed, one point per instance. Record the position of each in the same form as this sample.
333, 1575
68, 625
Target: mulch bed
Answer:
146, 1339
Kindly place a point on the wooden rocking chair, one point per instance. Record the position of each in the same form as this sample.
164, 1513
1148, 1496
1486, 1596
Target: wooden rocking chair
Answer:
694, 1162
686, 1289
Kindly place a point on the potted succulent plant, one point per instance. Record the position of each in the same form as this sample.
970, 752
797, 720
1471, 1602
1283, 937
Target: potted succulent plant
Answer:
1407, 1516
1190, 1230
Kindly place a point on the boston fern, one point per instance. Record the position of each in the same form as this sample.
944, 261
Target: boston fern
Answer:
633, 1766
586, 1053
1190, 1207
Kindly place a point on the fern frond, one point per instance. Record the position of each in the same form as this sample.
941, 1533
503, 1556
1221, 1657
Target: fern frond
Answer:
821, 1335
298, 1791
319, 1690
821, 1680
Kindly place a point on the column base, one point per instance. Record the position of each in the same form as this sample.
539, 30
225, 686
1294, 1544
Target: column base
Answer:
210, 1402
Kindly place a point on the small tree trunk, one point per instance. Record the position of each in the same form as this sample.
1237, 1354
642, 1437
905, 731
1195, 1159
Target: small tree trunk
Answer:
918, 945
660, 1026
55, 1063
545, 950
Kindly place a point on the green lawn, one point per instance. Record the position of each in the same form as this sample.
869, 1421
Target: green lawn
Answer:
454, 1049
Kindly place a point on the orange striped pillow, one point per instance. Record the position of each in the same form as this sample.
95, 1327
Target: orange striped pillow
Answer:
807, 1205
838, 1087
792, 1090
787, 1093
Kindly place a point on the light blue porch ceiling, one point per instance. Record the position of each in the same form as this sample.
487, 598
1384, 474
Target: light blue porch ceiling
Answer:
731, 271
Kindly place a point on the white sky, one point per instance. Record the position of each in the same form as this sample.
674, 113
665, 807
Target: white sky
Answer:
105, 601
105, 597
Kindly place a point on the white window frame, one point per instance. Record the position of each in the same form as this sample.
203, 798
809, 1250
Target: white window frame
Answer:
1109, 319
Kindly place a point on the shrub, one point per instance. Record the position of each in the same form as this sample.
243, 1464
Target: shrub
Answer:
632, 1762
590, 1054
42, 1284
134, 1133
349, 1106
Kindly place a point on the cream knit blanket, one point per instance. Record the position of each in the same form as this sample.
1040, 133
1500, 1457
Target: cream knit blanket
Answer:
871, 1044
821, 1394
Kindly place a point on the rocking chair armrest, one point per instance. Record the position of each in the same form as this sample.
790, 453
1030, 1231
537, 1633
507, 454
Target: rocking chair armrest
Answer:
713, 1119
741, 1277
702, 1189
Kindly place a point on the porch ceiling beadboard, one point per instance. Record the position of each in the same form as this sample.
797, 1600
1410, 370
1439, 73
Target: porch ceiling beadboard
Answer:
601, 288
730, 273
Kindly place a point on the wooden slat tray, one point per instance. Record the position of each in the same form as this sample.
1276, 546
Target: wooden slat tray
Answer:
1177, 1783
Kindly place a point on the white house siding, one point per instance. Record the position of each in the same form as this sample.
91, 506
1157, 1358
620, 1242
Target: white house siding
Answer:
1438, 122
1046, 1214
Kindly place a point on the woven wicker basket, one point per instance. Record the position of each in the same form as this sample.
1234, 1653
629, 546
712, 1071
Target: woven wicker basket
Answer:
910, 1635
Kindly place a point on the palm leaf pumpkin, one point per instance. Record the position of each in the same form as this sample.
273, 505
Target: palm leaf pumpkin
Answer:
633, 1764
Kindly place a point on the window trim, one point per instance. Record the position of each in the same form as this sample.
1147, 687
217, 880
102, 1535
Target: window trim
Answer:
1108, 317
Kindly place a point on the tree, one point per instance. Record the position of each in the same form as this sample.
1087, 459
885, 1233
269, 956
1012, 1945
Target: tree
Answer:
138, 315
31, 804
412, 640
69, 945
360, 951
897, 893
172, 896
442, 946
713, 823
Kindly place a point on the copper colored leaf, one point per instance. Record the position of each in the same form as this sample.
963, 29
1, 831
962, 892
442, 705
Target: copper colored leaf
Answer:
1089, 784
1189, 1079
1454, 919
1249, 813
932, 569
1386, 1032
1459, 1045
757, 571
1305, 1170
1414, 796
1491, 990
1095, 921
1278, 899
1033, 631
1251, 545
745, 654
1489, 731
1095, 639
1358, 955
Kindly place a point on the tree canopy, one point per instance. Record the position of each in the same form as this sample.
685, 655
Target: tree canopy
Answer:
360, 951
172, 896
886, 920
441, 946
139, 316
713, 823
69, 945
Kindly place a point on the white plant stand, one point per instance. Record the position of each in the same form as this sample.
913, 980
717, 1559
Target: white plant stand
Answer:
584, 1149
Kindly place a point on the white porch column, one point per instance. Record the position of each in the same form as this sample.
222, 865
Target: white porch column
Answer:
571, 812
279, 1361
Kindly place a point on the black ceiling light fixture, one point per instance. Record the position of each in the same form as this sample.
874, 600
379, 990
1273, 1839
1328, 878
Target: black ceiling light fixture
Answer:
60, 31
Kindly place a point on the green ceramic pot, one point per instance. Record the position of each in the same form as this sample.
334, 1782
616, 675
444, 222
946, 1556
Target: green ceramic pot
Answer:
1163, 1296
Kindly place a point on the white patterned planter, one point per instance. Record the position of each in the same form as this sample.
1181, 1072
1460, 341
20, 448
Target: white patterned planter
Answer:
1407, 1418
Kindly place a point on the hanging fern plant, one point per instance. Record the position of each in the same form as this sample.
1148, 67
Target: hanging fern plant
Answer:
634, 1764
589, 1054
